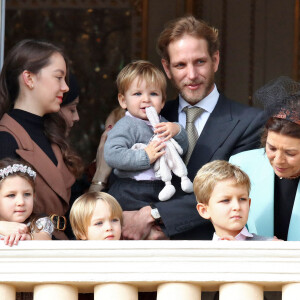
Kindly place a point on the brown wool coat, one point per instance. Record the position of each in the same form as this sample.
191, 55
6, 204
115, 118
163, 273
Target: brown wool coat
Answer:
53, 183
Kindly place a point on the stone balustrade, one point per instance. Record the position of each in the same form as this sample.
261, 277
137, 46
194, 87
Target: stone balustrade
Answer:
177, 270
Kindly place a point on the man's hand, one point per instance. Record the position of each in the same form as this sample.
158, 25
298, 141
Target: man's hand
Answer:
137, 224
156, 233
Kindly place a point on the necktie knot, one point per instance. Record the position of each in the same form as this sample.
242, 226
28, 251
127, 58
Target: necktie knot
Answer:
192, 113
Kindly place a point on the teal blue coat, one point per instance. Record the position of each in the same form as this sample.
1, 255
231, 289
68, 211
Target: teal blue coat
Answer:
261, 217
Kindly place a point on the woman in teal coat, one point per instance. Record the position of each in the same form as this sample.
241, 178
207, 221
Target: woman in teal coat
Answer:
274, 170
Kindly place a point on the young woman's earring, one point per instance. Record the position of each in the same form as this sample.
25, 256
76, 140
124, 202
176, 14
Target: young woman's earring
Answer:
31, 86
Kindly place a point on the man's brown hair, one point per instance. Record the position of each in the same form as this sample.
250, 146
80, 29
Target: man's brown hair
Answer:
188, 25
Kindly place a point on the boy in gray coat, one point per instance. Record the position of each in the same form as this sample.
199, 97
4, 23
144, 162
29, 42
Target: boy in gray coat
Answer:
140, 85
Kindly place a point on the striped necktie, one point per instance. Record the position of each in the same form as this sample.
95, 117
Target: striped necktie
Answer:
192, 115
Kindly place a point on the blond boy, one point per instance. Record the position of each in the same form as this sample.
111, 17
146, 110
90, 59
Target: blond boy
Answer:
222, 192
96, 216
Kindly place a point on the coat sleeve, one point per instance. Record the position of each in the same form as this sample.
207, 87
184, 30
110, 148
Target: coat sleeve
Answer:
117, 149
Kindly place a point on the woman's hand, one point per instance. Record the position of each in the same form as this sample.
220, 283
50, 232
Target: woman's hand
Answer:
154, 150
276, 239
166, 130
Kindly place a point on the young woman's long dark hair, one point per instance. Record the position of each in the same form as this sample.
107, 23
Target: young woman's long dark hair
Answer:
33, 55
56, 133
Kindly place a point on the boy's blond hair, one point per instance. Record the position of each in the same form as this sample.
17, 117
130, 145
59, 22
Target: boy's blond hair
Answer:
83, 208
213, 172
144, 70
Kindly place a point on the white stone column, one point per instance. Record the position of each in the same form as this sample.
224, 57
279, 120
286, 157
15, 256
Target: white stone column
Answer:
238, 291
178, 291
291, 291
55, 292
109, 291
7, 292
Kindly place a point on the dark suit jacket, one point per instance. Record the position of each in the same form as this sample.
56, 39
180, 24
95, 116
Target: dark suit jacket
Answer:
231, 128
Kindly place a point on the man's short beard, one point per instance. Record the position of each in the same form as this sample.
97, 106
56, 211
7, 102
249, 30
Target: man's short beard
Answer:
196, 98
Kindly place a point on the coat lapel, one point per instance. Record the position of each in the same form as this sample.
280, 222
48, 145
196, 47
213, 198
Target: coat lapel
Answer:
211, 137
261, 216
46, 169
216, 130
34, 155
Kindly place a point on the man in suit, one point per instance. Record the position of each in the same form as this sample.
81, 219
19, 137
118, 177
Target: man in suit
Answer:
189, 49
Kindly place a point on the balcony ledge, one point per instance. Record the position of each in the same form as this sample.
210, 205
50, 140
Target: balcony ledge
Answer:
146, 264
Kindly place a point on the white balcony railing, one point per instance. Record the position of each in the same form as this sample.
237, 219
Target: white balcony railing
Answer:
177, 270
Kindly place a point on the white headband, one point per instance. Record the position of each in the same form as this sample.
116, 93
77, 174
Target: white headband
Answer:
17, 168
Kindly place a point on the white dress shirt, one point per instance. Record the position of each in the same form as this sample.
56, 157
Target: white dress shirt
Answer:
208, 104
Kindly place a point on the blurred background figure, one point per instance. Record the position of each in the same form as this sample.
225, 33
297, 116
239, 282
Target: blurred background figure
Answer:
68, 108
100, 168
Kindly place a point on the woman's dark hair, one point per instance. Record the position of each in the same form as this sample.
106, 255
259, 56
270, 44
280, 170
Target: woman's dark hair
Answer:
55, 130
30, 55
33, 55
281, 126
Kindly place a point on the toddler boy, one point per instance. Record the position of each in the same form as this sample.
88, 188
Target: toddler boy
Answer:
96, 216
140, 85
